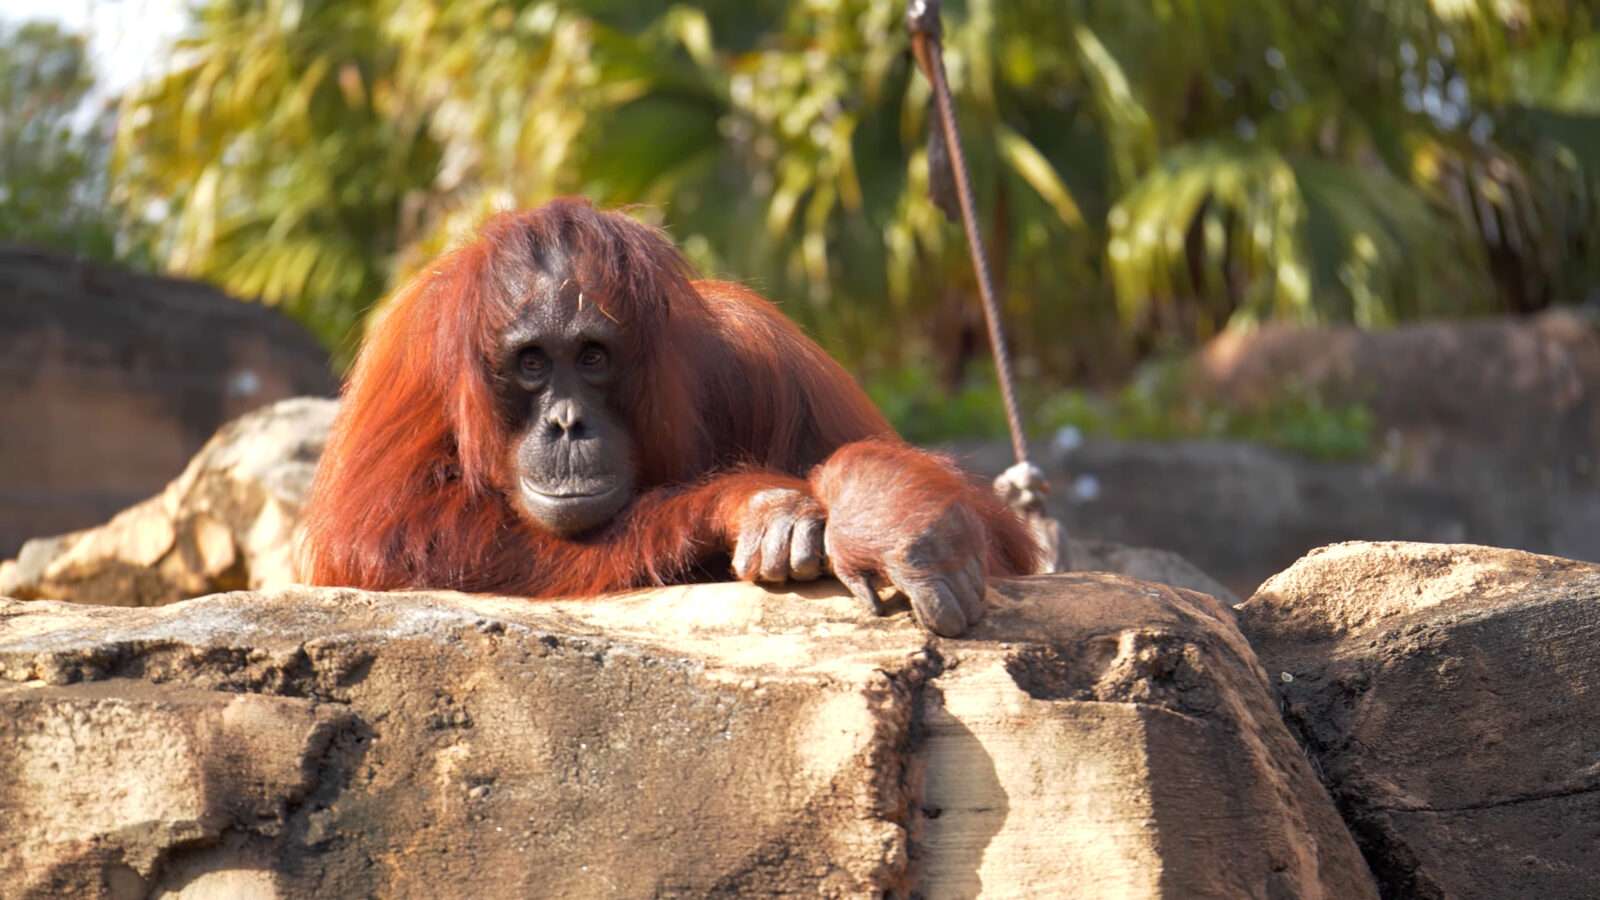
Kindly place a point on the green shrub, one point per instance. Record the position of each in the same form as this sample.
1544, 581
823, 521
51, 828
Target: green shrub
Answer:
1157, 405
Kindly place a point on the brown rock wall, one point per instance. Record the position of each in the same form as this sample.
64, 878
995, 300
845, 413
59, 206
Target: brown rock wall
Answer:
110, 380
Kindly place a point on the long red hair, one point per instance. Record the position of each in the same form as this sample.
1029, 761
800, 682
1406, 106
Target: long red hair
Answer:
410, 492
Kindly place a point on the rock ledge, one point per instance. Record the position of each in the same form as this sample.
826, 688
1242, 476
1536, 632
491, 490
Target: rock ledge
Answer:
1095, 735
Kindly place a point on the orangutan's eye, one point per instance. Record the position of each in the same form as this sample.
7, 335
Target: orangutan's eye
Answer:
532, 362
593, 358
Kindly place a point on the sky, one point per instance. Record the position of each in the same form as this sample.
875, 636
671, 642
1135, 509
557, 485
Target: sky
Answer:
127, 38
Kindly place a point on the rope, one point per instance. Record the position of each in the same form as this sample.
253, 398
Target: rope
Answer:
922, 18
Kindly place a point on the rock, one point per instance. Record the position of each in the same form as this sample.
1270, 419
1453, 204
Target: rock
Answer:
1448, 694
1479, 398
227, 522
1241, 512
110, 380
1145, 564
1094, 735
1486, 431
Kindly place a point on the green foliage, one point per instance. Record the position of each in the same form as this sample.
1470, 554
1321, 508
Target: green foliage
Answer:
280, 156
1160, 405
1157, 405
924, 413
53, 189
1149, 173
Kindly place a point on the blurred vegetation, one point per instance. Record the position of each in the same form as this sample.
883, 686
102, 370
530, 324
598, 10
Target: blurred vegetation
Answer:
1150, 172
54, 148
1158, 404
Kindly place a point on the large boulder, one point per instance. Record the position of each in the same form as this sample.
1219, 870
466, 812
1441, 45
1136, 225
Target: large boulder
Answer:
110, 380
227, 522
1450, 695
1242, 511
1094, 736
1144, 563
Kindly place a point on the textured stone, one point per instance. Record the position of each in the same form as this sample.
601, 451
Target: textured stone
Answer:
1242, 512
227, 522
1094, 736
1449, 694
1145, 564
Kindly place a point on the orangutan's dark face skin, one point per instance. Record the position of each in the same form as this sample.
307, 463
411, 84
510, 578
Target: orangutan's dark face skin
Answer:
573, 457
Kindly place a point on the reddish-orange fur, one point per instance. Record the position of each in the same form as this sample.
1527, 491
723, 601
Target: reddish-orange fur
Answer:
734, 399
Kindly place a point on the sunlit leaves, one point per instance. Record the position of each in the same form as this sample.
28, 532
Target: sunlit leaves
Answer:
1228, 232
1035, 169
53, 190
1129, 127
275, 159
1146, 172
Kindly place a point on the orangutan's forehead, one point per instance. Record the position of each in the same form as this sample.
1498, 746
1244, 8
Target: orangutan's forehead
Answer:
582, 277
550, 304
524, 270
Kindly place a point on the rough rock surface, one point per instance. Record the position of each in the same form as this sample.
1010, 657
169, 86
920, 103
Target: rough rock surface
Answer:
1450, 695
226, 523
1095, 736
1487, 432
92, 355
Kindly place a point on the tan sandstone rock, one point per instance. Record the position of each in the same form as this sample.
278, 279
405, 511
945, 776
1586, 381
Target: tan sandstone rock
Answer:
1502, 398
1450, 694
226, 523
1095, 736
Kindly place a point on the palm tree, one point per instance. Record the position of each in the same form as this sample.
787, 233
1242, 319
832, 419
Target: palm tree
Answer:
278, 158
1149, 172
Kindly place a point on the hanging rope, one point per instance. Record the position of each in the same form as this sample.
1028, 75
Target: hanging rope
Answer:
1022, 486
922, 17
